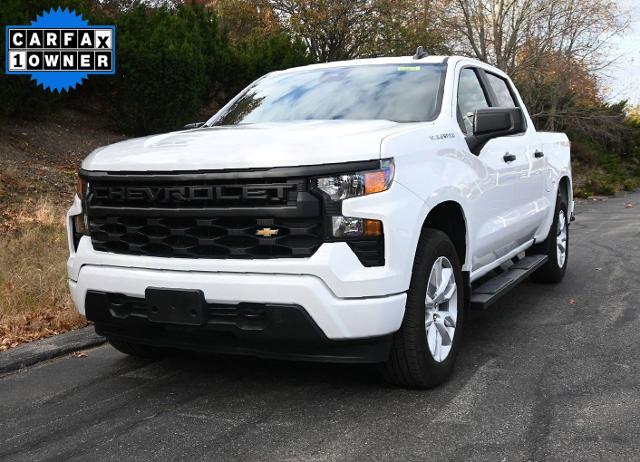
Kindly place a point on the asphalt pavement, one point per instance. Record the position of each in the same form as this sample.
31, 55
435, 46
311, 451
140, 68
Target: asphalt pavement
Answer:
548, 373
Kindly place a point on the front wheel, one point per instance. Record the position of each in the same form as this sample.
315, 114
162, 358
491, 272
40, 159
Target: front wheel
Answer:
555, 247
425, 347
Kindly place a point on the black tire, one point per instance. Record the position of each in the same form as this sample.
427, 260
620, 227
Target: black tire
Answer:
551, 272
138, 350
410, 362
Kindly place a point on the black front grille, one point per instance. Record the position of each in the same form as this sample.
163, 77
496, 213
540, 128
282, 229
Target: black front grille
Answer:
197, 237
274, 213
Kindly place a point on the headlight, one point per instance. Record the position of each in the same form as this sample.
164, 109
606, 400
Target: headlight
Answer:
81, 225
81, 222
81, 188
340, 187
350, 227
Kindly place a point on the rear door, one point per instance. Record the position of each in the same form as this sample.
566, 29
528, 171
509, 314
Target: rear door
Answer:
505, 208
505, 96
532, 181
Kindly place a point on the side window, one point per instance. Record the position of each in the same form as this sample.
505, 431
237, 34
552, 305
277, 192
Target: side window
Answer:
471, 97
501, 90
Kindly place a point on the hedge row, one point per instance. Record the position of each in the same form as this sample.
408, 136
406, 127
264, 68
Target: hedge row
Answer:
171, 62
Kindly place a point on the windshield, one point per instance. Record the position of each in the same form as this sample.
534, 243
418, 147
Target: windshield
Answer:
400, 93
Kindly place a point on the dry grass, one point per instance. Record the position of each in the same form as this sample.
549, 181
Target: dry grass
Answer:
38, 161
34, 297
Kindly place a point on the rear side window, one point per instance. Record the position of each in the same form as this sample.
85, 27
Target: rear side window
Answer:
500, 88
471, 97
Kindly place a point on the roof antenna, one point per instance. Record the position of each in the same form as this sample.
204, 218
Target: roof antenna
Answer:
420, 53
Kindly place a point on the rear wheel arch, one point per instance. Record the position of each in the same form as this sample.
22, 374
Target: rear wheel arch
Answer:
564, 188
563, 192
557, 241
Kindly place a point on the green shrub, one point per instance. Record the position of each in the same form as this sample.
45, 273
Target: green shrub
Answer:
259, 56
631, 184
163, 61
172, 62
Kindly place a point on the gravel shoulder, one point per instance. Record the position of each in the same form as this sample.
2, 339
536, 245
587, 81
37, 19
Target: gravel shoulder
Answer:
49, 348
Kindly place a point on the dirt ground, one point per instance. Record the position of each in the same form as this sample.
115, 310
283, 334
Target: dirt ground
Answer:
38, 164
44, 156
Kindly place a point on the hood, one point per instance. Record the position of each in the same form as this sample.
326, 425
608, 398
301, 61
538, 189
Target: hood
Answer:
247, 146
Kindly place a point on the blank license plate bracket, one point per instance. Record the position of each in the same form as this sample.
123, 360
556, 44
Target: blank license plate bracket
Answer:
176, 306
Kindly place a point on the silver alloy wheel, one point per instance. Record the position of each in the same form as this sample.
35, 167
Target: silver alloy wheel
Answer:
441, 309
561, 239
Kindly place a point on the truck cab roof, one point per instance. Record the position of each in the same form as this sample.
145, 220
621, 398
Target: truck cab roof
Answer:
431, 59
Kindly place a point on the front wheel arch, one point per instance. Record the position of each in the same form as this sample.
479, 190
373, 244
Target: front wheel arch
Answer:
449, 217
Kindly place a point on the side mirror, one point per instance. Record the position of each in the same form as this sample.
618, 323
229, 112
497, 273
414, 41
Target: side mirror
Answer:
495, 122
193, 125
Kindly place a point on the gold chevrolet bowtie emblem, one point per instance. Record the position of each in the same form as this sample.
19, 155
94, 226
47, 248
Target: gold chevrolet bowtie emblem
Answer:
267, 232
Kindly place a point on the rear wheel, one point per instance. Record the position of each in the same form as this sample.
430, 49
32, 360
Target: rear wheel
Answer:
555, 247
136, 349
425, 347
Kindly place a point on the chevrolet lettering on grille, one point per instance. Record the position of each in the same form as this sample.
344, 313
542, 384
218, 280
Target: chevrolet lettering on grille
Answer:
191, 194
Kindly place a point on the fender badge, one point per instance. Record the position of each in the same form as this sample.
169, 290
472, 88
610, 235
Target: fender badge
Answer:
442, 136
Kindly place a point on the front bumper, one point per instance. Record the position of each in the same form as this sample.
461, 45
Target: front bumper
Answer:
337, 318
264, 330
344, 299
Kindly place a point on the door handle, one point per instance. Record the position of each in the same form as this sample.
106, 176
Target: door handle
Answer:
538, 154
509, 157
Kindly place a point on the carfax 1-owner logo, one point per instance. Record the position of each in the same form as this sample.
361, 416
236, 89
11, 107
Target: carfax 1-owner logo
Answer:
60, 49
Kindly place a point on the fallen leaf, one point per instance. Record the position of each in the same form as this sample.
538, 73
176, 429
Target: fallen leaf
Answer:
628, 205
79, 354
572, 301
625, 366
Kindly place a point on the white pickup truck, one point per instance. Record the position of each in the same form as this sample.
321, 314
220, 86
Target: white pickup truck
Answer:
350, 211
